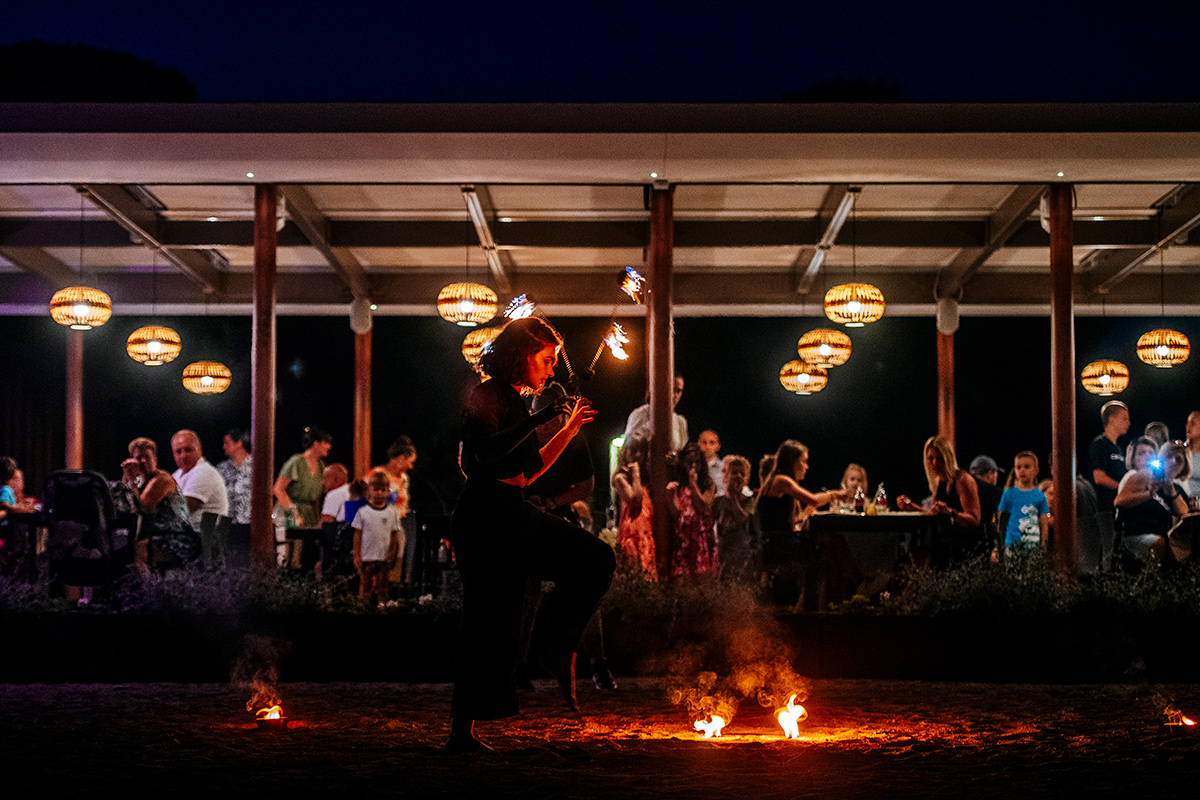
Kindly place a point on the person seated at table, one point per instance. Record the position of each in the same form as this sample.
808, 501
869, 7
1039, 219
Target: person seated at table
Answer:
954, 498
854, 477
1177, 463
783, 507
10, 499
1147, 504
165, 538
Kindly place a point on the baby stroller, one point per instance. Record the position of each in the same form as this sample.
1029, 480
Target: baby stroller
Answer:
87, 543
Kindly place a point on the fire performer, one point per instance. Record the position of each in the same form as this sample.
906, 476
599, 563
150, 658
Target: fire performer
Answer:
501, 541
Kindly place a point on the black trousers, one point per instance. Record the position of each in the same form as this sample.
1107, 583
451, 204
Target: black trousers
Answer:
500, 543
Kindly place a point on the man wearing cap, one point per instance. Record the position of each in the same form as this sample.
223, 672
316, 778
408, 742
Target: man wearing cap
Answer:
986, 472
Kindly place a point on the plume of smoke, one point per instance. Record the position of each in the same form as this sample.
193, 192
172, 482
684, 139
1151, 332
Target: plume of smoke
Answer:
257, 669
743, 655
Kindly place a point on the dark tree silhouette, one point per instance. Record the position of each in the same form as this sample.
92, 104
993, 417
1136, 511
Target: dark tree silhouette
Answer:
856, 90
38, 72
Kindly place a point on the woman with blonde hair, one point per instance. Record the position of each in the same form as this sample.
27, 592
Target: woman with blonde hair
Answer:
954, 498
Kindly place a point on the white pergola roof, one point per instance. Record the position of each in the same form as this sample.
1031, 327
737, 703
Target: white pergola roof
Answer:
375, 203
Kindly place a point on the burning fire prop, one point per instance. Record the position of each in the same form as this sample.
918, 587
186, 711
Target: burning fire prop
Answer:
710, 728
520, 307
790, 718
271, 718
632, 285
1176, 717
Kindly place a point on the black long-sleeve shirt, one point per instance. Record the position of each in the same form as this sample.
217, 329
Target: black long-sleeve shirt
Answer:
498, 434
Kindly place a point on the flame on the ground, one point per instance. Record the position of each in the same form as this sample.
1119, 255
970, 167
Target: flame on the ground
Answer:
632, 285
790, 717
273, 712
616, 341
712, 728
1177, 717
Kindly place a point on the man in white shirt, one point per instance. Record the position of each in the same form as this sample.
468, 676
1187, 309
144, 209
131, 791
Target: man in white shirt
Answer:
201, 484
639, 422
710, 445
336, 479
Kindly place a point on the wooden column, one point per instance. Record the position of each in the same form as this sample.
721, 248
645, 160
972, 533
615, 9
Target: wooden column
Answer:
74, 458
945, 391
362, 404
1062, 375
661, 366
262, 428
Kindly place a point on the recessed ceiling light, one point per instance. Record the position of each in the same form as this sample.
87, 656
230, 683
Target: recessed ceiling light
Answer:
506, 219
251, 174
653, 174
1060, 174
212, 219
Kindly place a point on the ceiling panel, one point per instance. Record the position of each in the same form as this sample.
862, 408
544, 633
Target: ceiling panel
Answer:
932, 200
389, 201
749, 200
547, 202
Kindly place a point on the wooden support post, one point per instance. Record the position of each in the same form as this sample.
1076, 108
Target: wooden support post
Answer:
1062, 381
362, 404
262, 430
662, 369
74, 458
945, 392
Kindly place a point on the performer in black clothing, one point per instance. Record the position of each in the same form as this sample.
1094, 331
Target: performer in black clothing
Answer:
501, 541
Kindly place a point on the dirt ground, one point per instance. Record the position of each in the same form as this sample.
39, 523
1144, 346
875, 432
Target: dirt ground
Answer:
861, 739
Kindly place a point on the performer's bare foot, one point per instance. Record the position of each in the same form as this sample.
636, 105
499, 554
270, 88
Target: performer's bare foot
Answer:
462, 738
563, 670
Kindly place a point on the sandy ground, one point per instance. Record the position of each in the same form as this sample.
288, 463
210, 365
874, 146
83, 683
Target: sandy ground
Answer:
861, 739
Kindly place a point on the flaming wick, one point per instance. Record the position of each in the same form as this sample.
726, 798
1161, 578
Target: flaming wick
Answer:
790, 717
1177, 717
632, 285
614, 340
711, 730
520, 307
274, 712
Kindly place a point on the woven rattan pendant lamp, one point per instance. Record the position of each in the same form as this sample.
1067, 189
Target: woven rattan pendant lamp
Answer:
153, 345
467, 304
854, 304
801, 377
1163, 347
80, 307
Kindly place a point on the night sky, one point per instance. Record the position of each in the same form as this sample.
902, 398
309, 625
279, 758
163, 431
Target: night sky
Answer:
1017, 51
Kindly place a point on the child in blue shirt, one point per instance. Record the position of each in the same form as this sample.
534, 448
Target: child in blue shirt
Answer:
1024, 510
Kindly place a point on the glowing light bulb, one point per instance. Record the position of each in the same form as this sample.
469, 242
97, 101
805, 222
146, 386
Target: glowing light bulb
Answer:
1105, 379
1162, 350
206, 380
154, 346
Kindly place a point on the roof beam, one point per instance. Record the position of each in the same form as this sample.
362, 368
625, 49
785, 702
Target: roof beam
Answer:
833, 212
1179, 213
143, 224
38, 262
315, 226
1001, 225
483, 214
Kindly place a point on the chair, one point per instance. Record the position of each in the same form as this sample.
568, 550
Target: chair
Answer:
78, 510
214, 538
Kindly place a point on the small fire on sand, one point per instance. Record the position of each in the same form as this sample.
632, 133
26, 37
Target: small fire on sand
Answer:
790, 718
1176, 717
271, 717
711, 729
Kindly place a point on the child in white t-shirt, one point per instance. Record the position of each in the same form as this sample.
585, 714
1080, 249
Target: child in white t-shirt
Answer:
378, 541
